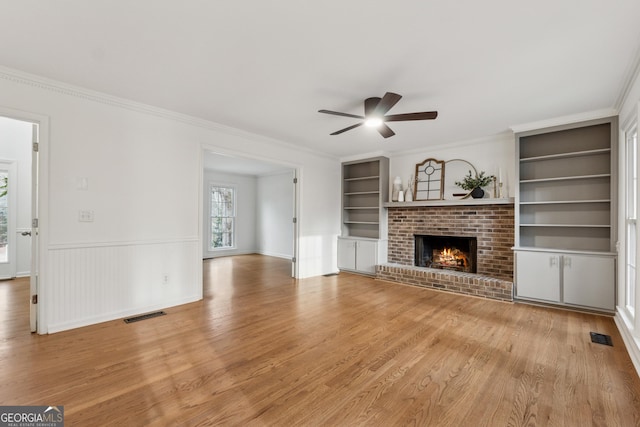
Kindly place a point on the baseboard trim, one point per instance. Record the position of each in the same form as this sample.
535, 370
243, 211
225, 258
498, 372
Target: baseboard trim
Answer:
631, 343
277, 255
209, 255
64, 326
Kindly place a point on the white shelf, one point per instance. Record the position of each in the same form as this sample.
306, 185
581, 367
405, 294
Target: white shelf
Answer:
362, 222
362, 178
361, 208
560, 251
565, 202
565, 178
567, 155
358, 193
567, 225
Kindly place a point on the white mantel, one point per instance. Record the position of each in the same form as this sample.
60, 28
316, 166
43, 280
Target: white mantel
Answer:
457, 202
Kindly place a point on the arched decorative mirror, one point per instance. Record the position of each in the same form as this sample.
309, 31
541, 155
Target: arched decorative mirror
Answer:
456, 169
429, 180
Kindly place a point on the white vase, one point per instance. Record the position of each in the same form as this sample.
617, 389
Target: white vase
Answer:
397, 187
408, 196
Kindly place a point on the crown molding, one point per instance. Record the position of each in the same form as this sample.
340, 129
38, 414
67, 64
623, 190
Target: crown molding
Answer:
633, 73
565, 120
23, 78
364, 156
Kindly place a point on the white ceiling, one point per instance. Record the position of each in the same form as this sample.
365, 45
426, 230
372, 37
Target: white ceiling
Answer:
267, 66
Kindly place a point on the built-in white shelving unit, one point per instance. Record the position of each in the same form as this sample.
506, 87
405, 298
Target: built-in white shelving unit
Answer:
365, 187
565, 208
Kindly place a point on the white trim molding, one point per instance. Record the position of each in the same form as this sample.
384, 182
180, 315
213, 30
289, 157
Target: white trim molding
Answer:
126, 279
565, 120
633, 73
40, 82
631, 343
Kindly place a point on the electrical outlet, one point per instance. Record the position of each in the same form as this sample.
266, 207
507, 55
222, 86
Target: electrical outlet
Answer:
165, 279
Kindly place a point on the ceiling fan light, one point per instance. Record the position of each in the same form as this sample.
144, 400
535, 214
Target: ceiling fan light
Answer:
373, 122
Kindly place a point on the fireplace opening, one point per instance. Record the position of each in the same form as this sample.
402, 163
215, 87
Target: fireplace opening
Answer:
446, 252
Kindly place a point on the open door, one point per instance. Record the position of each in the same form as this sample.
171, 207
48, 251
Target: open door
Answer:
33, 310
294, 259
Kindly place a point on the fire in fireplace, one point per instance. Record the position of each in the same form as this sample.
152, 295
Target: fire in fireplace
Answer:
446, 252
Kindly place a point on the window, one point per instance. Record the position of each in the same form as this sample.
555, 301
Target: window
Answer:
631, 187
222, 215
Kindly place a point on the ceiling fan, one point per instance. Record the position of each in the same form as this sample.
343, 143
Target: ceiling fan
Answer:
374, 114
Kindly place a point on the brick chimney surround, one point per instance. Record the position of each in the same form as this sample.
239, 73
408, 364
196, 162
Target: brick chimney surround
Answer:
491, 221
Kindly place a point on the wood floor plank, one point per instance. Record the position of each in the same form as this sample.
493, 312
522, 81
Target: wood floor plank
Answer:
263, 349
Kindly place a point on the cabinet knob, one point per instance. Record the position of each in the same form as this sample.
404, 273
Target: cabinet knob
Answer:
567, 261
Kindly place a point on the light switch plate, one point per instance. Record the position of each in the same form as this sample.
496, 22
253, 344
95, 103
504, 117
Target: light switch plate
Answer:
82, 183
85, 216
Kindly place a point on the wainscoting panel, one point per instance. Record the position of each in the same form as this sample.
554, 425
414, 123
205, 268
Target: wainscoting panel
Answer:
89, 284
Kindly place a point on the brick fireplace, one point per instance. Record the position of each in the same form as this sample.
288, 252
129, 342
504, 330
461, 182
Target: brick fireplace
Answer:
492, 225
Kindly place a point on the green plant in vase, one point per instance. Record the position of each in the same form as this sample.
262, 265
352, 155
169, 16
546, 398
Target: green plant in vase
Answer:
475, 183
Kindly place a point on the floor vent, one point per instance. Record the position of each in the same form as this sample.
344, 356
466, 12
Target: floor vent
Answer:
601, 339
330, 274
144, 317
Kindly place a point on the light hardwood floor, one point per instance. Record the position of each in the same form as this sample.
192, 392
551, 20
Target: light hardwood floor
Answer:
263, 349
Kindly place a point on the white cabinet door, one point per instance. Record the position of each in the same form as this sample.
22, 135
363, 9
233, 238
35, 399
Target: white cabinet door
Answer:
346, 254
367, 256
538, 276
358, 255
589, 281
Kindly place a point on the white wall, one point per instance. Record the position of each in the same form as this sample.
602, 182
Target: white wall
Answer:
490, 155
15, 144
275, 214
143, 167
245, 227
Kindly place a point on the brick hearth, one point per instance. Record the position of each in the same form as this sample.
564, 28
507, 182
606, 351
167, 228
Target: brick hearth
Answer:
491, 224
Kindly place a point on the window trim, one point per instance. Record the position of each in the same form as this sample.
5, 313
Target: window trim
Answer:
630, 218
233, 246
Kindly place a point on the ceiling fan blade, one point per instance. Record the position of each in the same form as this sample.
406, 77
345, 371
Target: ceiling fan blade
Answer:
337, 113
388, 100
338, 132
385, 131
370, 105
427, 115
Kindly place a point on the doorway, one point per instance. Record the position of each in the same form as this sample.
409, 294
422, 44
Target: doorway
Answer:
266, 205
18, 202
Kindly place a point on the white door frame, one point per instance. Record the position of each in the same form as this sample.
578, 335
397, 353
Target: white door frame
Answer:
40, 191
35, 231
296, 220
